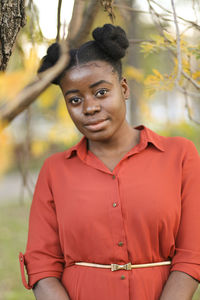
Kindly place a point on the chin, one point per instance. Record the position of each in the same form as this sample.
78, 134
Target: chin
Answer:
99, 136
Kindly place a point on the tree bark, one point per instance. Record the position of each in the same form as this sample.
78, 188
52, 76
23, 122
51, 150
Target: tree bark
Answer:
12, 19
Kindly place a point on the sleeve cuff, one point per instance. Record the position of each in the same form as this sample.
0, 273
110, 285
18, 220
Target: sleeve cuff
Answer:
187, 261
190, 269
35, 277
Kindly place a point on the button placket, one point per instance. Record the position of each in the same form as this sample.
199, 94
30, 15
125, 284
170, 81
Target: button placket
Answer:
116, 221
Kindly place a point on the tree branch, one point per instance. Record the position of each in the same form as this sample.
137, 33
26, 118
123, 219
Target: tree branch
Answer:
188, 108
178, 17
157, 22
58, 20
178, 42
29, 93
180, 69
125, 7
76, 20
195, 84
84, 29
138, 41
108, 6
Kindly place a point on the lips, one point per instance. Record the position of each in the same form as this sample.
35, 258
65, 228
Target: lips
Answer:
96, 125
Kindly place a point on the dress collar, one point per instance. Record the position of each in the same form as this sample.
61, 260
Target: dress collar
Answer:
147, 136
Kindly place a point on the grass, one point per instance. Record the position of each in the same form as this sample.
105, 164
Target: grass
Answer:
13, 235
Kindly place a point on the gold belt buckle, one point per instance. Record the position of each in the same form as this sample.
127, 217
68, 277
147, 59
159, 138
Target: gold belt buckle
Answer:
115, 267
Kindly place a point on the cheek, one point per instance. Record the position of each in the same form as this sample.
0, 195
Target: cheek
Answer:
116, 106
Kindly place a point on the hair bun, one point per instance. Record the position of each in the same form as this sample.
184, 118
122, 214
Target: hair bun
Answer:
112, 40
53, 53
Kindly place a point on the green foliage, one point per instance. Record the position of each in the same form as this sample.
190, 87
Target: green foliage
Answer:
187, 130
158, 81
13, 234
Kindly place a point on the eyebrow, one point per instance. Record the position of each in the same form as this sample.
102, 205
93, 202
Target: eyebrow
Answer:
91, 86
99, 82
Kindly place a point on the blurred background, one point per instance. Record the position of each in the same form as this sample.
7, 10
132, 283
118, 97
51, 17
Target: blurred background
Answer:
162, 68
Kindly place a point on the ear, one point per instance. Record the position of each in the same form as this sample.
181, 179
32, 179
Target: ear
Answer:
125, 88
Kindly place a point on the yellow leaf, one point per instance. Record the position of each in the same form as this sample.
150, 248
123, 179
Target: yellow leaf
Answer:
133, 73
62, 112
12, 83
38, 147
32, 61
169, 37
159, 40
196, 75
63, 133
49, 97
158, 74
147, 48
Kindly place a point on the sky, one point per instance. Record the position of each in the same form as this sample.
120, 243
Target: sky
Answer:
48, 17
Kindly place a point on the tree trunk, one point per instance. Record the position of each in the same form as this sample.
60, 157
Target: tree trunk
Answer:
131, 22
12, 19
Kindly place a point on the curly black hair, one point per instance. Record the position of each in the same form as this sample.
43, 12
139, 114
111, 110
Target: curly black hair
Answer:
109, 44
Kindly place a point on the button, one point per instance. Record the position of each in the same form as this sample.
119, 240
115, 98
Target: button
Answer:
113, 177
123, 277
120, 244
114, 204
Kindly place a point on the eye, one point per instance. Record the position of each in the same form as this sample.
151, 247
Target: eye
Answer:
75, 100
101, 92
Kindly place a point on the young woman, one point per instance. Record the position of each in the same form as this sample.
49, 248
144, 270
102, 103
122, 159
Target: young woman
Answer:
117, 216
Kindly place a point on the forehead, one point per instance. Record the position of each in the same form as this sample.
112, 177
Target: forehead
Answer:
94, 70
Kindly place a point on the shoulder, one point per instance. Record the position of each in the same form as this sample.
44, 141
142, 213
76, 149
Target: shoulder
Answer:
55, 158
178, 144
61, 159
171, 145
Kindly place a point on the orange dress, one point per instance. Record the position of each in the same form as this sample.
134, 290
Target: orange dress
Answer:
146, 210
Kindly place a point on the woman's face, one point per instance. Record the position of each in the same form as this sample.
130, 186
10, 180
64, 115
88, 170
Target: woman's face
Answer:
95, 99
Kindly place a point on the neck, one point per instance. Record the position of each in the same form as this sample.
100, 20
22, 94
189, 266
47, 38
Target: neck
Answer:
123, 141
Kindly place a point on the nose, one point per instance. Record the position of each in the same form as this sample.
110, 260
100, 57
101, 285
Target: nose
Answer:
91, 106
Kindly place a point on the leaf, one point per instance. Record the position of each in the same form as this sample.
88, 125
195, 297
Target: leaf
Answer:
48, 98
158, 74
196, 75
39, 147
11, 83
169, 37
158, 39
133, 73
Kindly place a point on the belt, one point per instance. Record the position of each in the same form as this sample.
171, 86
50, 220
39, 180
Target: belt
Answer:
128, 266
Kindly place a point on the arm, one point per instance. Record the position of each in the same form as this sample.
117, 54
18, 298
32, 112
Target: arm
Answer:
179, 286
185, 271
44, 257
51, 289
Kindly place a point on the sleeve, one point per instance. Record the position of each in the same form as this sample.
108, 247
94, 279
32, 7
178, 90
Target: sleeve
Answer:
187, 253
43, 257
